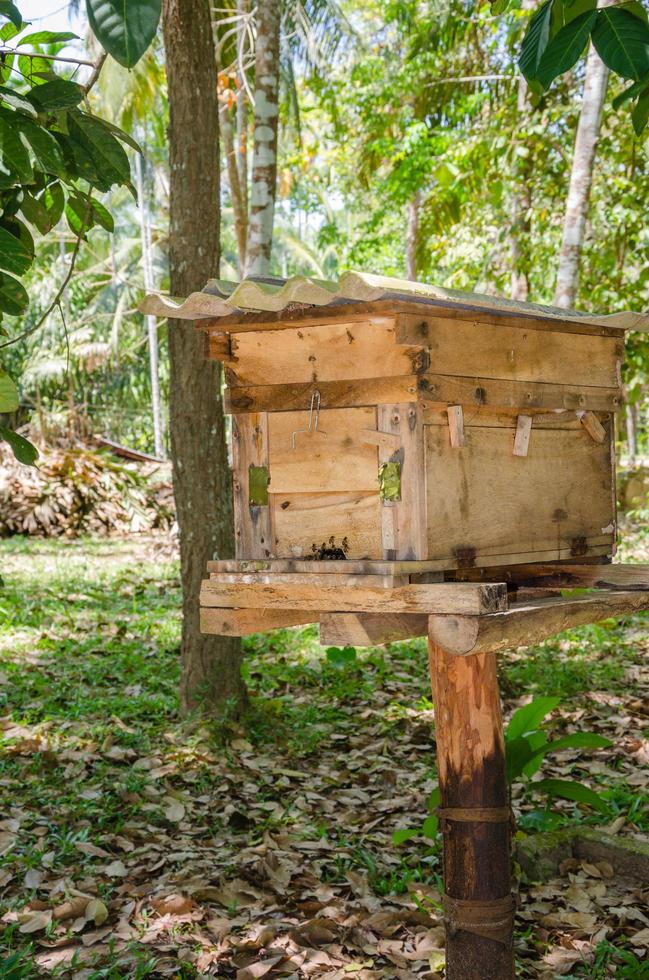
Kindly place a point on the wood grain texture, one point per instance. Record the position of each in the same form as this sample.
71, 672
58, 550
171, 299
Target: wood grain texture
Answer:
403, 525
497, 394
471, 762
485, 501
252, 524
370, 629
294, 396
331, 352
302, 520
552, 575
243, 622
454, 597
309, 578
527, 624
476, 348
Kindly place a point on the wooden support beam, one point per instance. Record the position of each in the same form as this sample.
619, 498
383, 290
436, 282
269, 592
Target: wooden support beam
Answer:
554, 575
526, 625
347, 566
370, 629
309, 578
453, 597
471, 761
242, 622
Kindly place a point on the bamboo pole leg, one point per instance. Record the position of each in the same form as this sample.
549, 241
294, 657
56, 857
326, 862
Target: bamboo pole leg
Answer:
474, 816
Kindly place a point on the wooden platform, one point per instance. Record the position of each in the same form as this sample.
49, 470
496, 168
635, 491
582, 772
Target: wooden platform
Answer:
363, 603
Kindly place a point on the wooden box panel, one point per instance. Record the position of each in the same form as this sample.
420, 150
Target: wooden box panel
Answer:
302, 520
482, 501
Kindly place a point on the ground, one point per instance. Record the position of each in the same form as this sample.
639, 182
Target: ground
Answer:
137, 845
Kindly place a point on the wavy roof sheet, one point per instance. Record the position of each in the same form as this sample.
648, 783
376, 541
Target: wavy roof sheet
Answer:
223, 298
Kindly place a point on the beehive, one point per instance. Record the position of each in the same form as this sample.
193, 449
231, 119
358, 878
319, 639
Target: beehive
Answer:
420, 426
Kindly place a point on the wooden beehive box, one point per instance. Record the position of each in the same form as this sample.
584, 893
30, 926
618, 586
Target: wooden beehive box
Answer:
403, 430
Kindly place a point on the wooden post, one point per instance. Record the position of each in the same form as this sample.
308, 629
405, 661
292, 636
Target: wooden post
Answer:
474, 816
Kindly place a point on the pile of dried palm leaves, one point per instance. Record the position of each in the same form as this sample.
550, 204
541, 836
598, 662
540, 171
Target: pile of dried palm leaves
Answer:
76, 490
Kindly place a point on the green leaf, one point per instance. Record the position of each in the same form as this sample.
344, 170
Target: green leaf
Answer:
636, 88
121, 135
11, 12
108, 153
54, 200
13, 296
578, 740
55, 95
48, 37
35, 211
567, 789
622, 42
565, 48
102, 215
403, 835
529, 717
44, 147
640, 113
16, 100
535, 41
9, 401
24, 451
341, 656
78, 211
430, 827
14, 256
124, 30
15, 156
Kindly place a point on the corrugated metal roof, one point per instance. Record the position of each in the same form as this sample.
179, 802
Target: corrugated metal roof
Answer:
268, 294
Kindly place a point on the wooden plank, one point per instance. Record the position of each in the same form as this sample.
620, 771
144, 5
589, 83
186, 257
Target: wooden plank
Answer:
370, 629
333, 458
242, 622
529, 624
552, 576
522, 437
252, 524
334, 394
466, 598
332, 352
491, 418
438, 390
476, 348
404, 521
455, 417
302, 520
308, 578
593, 426
533, 319
485, 501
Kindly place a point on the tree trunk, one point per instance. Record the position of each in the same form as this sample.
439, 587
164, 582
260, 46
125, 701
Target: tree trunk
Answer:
151, 324
581, 178
239, 205
521, 197
211, 665
266, 122
412, 236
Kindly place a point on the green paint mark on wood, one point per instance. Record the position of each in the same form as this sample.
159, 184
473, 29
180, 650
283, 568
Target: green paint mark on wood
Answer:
390, 481
258, 480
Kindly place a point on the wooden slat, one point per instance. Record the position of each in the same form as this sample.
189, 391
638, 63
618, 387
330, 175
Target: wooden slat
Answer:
455, 418
334, 394
475, 348
484, 501
404, 521
370, 629
523, 433
252, 524
479, 416
308, 578
242, 622
333, 352
335, 458
453, 597
489, 394
526, 625
552, 576
301, 520
593, 427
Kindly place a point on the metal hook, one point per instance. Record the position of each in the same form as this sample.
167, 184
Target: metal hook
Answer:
314, 419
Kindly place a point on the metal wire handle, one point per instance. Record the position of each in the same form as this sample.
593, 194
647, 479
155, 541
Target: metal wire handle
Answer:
314, 419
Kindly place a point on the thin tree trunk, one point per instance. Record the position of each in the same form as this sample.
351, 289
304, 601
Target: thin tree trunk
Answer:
239, 207
243, 10
631, 431
266, 122
581, 178
412, 236
521, 197
151, 325
211, 666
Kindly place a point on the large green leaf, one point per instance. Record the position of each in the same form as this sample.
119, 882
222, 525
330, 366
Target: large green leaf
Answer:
124, 29
16, 100
24, 451
640, 113
48, 37
11, 12
8, 393
44, 147
567, 789
107, 152
35, 211
14, 256
535, 42
564, 49
529, 717
13, 296
622, 42
54, 200
15, 156
55, 95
